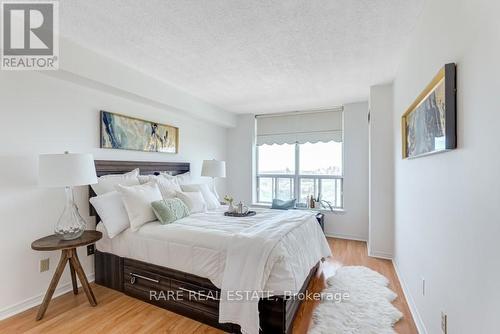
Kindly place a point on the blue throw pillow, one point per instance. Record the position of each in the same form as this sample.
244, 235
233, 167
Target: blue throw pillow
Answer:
283, 205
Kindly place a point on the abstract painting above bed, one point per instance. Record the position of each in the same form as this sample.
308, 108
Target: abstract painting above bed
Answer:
128, 133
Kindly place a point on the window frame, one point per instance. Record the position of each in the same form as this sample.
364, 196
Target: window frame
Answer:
296, 177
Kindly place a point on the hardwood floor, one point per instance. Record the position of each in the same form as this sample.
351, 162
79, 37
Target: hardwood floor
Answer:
118, 313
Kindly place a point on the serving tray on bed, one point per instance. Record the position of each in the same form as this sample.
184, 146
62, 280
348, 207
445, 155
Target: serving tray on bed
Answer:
235, 214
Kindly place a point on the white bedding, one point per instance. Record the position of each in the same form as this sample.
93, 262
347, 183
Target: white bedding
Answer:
198, 245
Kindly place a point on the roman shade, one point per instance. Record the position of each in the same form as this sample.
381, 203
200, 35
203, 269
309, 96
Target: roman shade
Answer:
300, 127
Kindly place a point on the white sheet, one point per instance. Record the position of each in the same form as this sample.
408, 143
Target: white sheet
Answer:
198, 244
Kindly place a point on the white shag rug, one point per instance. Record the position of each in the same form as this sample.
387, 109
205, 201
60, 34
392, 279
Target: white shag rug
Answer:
367, 309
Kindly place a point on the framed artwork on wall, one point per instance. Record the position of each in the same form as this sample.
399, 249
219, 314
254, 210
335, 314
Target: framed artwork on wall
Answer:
129, 133
429, 125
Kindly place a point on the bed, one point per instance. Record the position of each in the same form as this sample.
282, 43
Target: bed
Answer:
190, 257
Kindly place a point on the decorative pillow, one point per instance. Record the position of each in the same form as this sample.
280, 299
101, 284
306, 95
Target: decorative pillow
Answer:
283, 205
107, 183
208, 195
179, 179
169, 210
194, 201
112, 212
167, 186
137, 201
145, 178
183, 178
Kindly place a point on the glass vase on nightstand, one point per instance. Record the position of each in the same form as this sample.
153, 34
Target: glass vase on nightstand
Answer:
70, 225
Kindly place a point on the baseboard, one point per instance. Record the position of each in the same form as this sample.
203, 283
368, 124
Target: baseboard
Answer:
37, 300
346, 236
411, 303
380, 255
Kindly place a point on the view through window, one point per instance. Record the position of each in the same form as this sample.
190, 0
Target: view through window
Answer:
298, 171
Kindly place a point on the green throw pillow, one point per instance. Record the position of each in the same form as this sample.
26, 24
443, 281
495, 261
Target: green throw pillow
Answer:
169, 210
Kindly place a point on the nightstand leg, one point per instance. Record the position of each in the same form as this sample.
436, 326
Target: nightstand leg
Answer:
73, 278
83, 279
53, 284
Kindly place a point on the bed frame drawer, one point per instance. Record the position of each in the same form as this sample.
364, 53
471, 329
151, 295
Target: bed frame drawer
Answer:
206, 300
186, 294
189, 295
144, 282
161, 286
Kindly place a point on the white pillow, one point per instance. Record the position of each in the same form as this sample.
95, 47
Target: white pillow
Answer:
137, 201
145, 178
208, 195
112, 212
183, 178
179, 179
194, 201
168, 187
107, 183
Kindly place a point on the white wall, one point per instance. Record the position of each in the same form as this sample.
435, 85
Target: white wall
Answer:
353, 223
240, 154
80, 64
447, 217
381, 172
43, 114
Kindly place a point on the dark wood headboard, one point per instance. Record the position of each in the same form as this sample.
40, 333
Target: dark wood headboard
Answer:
105, 167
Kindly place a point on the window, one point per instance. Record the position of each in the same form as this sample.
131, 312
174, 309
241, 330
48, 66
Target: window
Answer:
300, 154
287, 171
277, 159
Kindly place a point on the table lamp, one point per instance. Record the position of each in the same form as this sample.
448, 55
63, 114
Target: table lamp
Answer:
213, 168
67, 170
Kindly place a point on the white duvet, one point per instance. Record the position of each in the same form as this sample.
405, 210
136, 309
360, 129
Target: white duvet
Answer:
202, 243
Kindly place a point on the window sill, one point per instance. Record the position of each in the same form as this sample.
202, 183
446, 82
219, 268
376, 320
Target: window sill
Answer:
335, 211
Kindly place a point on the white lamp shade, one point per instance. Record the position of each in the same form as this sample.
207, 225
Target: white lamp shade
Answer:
66, 170
213, 168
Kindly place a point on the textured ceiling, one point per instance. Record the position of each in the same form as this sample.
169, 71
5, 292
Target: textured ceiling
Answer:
251, 55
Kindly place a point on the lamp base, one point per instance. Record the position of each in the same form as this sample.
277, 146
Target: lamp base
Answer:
214, 189
70, 225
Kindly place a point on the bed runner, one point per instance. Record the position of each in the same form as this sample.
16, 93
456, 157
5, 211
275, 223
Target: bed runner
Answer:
243, 279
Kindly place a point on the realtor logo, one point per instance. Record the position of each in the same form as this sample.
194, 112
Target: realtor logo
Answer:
30, 35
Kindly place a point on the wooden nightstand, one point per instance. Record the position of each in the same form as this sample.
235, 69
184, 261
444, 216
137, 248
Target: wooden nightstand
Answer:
68, 254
